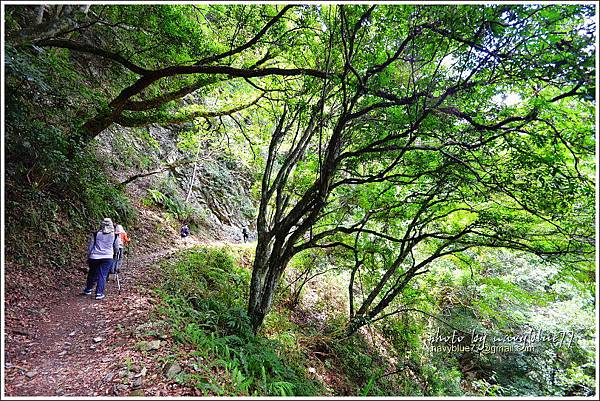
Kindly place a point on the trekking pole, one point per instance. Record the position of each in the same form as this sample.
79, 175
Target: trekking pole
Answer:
118, 281
116, 270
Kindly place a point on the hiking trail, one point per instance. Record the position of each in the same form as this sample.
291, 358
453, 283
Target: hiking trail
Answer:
83, 347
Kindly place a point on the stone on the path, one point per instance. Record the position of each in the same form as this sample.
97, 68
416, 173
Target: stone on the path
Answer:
171, 370
109, 376
137, 382
120, 387
31, 374
71, 334
149, 345
62, 353
98, 339
142, 372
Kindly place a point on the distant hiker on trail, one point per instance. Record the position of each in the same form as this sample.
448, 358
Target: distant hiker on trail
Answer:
245, 233
102, 248
185, 231
123, 240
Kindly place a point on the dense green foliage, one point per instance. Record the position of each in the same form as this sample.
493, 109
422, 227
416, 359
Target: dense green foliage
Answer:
508, 294
47, 193
433, 164
203, 302
438, 137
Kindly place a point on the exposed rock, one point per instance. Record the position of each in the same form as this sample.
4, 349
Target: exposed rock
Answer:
120, 387
171, 370
221, 188
151, 328
149, 345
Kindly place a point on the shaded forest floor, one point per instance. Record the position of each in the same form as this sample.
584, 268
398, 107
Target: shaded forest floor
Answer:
61, 343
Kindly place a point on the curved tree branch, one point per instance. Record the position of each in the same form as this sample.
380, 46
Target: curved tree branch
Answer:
163, 118
142, 105
85, 48
248, 44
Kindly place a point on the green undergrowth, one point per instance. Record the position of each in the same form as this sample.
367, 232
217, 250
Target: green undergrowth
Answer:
299, 352
57, 190
204, 297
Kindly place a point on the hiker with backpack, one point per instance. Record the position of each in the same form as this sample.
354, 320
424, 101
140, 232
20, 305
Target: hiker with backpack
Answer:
123, 240
245, 233
185, 231
102, 248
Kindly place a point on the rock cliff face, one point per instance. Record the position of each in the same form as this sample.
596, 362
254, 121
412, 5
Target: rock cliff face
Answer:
211, 186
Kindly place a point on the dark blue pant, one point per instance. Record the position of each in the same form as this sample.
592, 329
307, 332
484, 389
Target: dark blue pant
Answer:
98, 272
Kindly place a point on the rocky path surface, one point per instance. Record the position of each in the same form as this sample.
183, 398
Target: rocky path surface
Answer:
83, 347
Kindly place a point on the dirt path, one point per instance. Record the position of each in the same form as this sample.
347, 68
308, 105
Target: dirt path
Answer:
85, 347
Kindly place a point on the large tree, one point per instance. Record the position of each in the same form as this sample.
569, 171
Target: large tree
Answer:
161, 53
437, 130
397, 134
